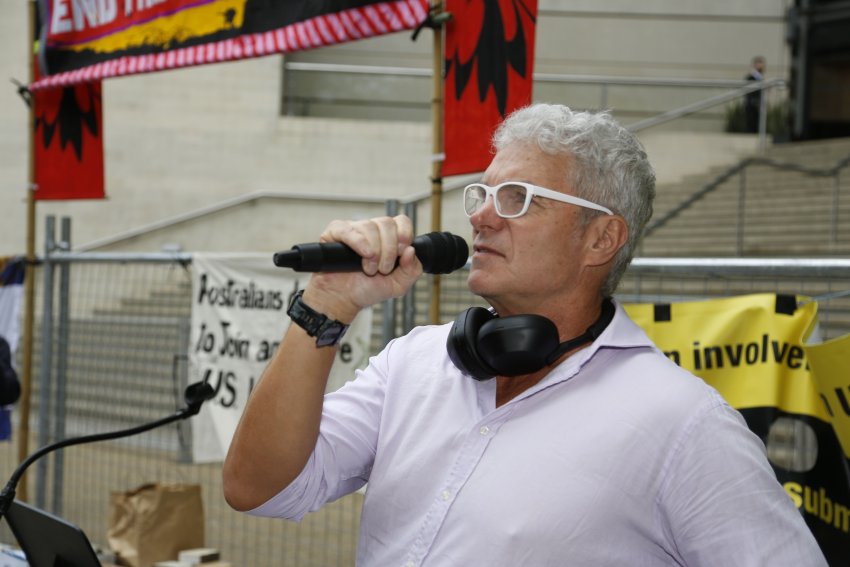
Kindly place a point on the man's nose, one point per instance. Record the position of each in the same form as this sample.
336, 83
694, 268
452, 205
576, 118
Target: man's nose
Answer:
486, 213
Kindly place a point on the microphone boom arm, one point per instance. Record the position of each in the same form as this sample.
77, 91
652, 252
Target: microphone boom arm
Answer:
195, 395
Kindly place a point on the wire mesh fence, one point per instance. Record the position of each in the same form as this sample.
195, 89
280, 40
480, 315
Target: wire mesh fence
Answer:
124, 328
120, 327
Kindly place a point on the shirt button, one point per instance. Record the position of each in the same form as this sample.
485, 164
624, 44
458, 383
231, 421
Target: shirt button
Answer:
446, 495
484, 430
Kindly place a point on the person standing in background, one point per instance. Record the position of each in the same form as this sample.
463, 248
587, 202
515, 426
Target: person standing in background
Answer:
752, 101
10, 388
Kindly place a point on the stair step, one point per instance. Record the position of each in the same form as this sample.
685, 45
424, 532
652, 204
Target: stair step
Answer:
785, 212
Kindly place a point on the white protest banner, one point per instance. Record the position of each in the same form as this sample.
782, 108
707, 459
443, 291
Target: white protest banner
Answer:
239, 316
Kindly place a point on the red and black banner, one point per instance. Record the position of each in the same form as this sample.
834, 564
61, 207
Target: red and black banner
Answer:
69, 143
489, 66
68, 140
87, 40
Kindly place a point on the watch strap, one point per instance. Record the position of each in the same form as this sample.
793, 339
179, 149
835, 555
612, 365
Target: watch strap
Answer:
328, 332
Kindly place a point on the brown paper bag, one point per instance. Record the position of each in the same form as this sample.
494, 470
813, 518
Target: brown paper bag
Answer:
154, 522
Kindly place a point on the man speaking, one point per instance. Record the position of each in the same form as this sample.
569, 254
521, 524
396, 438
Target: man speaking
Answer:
548, 430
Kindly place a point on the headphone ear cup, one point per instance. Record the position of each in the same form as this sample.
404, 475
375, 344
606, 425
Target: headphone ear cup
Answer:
517, 345
462, 343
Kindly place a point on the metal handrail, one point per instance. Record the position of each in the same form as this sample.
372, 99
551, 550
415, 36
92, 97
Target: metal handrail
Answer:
740, 168
224, 205
767, 267
705, 104
542, 77
696, 196
741, 87
817, 268
715, 101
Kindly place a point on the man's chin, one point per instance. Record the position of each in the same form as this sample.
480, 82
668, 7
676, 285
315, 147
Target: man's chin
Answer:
477, 282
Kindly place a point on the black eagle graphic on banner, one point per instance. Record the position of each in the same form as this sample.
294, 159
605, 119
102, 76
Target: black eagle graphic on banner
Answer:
70, 119
494, 52
68, 142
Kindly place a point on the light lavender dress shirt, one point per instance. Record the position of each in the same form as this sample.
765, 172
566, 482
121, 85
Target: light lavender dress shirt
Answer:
617, 457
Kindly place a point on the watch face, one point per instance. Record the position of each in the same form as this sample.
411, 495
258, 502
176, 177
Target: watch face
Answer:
332, 335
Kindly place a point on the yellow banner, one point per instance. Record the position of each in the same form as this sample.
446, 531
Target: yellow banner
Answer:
830, 362
753, 350
748, 347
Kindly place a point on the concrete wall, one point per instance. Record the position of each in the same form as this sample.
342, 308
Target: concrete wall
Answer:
13, 129
683, 38
179, 141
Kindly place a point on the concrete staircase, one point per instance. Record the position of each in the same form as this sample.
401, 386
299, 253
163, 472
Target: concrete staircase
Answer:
123, 363
764, 211
767, 210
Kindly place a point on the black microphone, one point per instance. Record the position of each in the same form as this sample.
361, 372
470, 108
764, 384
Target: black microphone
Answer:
439, 252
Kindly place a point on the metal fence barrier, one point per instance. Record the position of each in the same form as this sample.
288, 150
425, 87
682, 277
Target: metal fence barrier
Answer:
111, 345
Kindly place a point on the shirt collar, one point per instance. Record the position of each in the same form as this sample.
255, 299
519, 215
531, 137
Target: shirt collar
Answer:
621, 333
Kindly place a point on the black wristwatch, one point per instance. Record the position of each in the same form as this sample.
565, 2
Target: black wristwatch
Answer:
328, 332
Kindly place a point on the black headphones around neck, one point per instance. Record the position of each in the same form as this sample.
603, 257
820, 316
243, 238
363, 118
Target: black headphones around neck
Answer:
483, 345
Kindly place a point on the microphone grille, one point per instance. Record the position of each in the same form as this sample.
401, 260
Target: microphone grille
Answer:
441, 252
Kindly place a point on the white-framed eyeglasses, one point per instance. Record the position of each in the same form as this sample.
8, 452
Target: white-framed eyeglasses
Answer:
512, 198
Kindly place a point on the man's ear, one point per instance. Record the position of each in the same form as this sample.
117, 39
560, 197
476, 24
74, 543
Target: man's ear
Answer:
607, 234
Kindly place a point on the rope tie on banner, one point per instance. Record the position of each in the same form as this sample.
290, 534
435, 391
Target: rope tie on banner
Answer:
23, 91
434, 20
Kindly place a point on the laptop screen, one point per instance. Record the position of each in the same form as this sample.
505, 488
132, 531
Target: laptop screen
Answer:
49, 541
